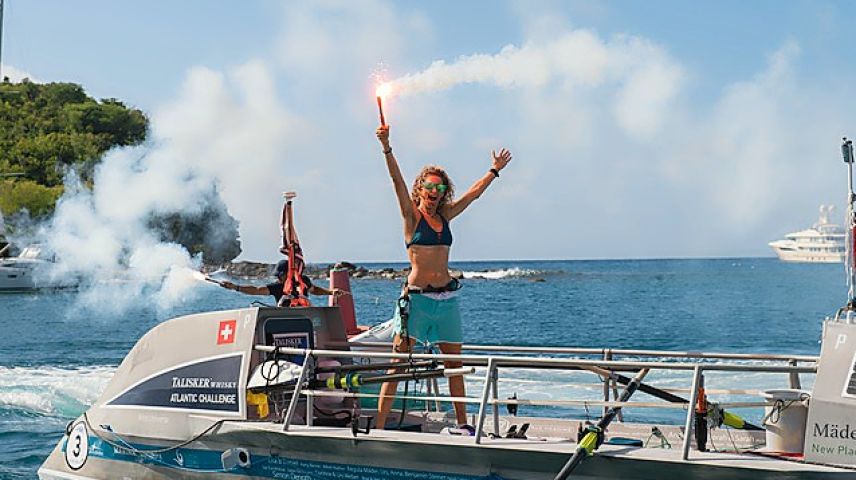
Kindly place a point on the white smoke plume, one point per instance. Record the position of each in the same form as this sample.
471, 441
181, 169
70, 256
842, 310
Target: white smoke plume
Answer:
102, 245
223, 132
15, 74
643, 78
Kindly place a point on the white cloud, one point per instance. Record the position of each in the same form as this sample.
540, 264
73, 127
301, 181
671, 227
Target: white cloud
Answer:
322, 43
651, 83
746, 153
608, 133
616, 153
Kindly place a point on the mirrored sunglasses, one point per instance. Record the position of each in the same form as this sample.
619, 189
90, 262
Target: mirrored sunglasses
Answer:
440, 187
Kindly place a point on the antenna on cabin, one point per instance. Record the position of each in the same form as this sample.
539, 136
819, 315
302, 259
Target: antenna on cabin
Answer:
849, 157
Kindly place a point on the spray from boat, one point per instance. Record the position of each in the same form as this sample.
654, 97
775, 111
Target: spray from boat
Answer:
52, 390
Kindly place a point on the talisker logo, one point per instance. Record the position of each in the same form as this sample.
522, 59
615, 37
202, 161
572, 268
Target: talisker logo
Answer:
832, 430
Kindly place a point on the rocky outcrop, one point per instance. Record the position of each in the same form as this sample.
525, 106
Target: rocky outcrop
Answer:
263, 270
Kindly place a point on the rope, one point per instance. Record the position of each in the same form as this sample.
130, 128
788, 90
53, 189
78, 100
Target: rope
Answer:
136, 451
710, 439
779, 406
730, 438
151, 454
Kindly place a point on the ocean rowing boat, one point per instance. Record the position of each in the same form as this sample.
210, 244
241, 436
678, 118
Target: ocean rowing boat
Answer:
284, 393
277, 393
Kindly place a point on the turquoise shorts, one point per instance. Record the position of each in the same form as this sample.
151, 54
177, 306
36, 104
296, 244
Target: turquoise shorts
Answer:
433, 318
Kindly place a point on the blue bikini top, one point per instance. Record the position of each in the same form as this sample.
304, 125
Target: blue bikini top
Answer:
425, 235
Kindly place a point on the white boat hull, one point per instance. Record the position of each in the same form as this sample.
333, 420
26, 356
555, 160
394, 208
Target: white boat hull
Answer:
800, 256
824, 242
16, 279
320, 453
28, 271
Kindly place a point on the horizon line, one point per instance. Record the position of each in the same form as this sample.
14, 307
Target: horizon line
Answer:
604, 259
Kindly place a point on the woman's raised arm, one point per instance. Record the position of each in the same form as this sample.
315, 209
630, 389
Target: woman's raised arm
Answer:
500, 160
401, 191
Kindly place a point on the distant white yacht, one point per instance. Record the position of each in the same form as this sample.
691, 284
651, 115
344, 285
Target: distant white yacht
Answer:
822, 243
18, 274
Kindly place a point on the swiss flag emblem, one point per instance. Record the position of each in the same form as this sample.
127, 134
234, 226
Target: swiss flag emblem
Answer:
226, 332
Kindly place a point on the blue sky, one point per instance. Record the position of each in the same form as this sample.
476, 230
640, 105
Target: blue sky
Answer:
639, 129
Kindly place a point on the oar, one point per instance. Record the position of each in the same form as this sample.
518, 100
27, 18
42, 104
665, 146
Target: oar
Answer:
354, 380
728, 418
375, 366
591, 440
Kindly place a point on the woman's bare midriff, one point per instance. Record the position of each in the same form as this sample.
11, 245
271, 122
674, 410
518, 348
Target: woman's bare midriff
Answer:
430, 266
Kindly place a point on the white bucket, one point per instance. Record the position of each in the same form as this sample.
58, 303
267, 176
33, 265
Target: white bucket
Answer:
786, 425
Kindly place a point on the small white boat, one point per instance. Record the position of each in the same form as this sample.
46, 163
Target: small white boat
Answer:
24, 272
822, 243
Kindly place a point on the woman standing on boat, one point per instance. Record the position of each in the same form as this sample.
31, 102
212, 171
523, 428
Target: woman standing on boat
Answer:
427, 311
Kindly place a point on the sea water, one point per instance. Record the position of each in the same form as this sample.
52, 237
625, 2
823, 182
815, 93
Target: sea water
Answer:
56, 355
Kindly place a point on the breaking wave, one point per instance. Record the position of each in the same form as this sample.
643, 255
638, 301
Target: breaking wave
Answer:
51, 391
501, 273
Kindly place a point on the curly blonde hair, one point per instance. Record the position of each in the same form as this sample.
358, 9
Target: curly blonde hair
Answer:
433, 170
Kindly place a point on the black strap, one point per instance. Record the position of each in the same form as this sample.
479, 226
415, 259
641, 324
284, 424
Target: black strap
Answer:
453, 285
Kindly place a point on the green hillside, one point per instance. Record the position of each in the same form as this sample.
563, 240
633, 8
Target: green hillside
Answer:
46, 129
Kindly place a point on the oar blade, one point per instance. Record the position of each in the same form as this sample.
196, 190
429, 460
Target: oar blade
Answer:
735, 421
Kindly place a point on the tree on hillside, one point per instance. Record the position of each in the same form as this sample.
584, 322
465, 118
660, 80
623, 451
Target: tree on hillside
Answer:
47, 128
37, 200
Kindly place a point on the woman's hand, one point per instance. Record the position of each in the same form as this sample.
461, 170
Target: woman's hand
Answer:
501, 159
383, 135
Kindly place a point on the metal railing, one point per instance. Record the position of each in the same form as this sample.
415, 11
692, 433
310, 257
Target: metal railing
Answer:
385, 346
791, 364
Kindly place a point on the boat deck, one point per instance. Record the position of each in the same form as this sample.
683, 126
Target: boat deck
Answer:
746, 460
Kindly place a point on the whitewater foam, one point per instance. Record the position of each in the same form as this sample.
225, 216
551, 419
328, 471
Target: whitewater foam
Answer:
501, 273
53, 391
